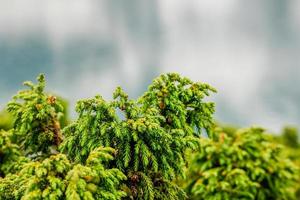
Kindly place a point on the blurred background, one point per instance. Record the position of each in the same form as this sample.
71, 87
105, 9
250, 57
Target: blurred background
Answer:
248, 50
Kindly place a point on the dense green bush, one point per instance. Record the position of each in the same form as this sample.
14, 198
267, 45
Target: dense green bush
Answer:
137, 149
246, 165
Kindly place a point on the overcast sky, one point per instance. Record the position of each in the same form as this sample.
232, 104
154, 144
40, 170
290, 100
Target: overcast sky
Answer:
248, 50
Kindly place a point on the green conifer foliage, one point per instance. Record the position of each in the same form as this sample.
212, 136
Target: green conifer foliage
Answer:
245, 166
152, 138
48, 174
11, 158
180, 102
57, 178
94, 179
36, 122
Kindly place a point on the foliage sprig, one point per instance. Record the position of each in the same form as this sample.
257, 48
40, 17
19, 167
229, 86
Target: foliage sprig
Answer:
57, 178
36, 118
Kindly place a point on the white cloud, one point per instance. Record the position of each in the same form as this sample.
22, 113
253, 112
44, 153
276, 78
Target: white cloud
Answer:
199, 39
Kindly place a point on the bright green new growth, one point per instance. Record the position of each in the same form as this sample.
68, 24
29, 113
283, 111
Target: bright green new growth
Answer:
57, 178
36, 118
94, 179
245, 166
152, 138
